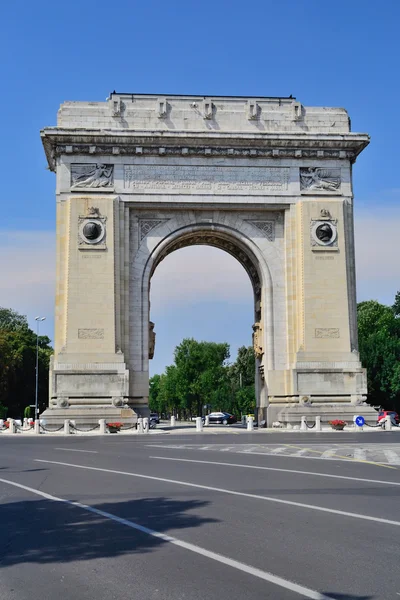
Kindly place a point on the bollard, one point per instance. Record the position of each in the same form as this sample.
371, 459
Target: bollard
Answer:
145, 424
207, 421
173, 421
66, 426
199, 424
140, 425
36, 426
317, 423
26, 422
250, 423
102, 423
11, 426
303, 424
388, 423
1, 423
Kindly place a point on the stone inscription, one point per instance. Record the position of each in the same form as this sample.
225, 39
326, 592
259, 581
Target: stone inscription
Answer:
209, 179
91, 334
327, 332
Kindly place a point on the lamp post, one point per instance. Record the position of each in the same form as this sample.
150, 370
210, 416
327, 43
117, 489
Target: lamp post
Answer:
38, 320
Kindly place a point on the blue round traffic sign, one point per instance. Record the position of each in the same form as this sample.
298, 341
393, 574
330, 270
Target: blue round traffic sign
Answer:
360, 421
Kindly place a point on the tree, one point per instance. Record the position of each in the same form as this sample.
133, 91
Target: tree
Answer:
18, 364
241, 375
379, 345
396, 305
198, 377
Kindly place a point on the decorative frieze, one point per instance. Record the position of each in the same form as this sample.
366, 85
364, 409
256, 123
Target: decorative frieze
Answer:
146, 225
267, 228
92, 175
199, 150
319, 178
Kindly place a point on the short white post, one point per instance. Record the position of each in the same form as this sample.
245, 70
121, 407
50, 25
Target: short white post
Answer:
317, 423
26, 422
145, 424
250, 423
388, 423
207, 421
36, 426
173, 421
303, 424
102, 423
140, 425
1, 423
66, 426
199, 424
11, 426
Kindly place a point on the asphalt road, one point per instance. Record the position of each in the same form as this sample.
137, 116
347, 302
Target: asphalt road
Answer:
120, 518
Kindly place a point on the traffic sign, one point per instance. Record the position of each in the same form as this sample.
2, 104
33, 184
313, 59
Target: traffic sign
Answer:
360, 421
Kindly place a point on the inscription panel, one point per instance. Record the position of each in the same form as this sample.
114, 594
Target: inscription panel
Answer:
205, 179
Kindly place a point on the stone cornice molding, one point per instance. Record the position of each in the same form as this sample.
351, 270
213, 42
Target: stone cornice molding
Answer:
58, 141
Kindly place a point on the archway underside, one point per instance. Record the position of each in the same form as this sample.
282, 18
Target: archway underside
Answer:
223, 242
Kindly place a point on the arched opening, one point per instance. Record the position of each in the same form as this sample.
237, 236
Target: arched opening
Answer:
222, 238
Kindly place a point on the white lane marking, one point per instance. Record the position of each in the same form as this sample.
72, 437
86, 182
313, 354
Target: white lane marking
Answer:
225, 560
225, 464
301, 452
392, 457
231, 492
74, 450
329, 453
278, 450
250, 449
360, 454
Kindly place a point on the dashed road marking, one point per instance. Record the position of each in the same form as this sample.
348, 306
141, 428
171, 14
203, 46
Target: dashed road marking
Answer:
210, 488
294, 471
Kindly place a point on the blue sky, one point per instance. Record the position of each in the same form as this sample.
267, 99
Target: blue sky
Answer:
344, 53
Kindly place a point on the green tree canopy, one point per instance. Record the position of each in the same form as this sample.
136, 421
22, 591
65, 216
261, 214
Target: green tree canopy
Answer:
379, 345
18, 364
201, 376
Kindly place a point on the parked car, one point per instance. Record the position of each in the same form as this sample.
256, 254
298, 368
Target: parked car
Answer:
221, 417
382, 414
154, 417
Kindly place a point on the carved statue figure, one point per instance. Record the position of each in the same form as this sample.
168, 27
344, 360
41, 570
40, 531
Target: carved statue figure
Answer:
315, 178
92, 175
152, 340
257, 340
325, 214
93, 211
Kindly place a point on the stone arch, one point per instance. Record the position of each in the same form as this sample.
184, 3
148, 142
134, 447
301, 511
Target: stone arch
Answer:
172, 236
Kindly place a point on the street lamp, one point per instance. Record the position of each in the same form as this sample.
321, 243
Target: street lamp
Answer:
38, 320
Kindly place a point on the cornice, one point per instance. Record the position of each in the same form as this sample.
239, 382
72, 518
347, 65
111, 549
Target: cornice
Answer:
58, 141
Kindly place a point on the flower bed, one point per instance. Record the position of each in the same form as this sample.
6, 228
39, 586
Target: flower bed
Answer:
338, 424
114, 427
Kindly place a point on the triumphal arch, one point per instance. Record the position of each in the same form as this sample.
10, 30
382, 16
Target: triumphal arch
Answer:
267, 180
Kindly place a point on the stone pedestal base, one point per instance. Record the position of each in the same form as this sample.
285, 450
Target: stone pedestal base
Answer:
89, 415
292, 413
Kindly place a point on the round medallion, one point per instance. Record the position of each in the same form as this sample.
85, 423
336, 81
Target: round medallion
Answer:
92, 231
324, 233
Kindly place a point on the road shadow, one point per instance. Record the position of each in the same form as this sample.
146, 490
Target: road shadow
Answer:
42, 531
